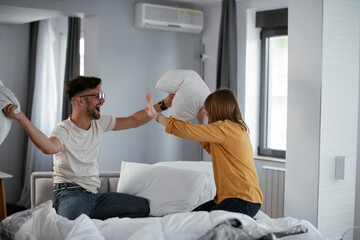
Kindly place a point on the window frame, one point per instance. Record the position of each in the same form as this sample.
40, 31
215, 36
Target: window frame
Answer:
263, 150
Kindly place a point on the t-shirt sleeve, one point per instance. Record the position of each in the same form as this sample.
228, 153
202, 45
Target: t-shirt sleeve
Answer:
61, 133
107, 122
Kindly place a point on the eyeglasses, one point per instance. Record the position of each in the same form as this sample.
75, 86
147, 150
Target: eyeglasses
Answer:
98, 95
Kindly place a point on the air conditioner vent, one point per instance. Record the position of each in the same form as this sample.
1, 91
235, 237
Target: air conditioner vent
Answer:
160, 17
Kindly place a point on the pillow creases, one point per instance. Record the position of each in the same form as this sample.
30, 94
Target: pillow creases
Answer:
6, 97
209, 191
190, 92
168, 190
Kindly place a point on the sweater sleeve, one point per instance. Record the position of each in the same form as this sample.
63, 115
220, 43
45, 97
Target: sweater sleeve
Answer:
203, 133
206, 147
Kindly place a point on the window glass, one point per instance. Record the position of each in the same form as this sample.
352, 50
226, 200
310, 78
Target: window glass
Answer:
277, 92
82, 53
274, 82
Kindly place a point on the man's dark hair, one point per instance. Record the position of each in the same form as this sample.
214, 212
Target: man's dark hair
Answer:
79, 84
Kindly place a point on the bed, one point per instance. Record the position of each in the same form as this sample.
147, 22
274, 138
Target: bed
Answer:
173, 189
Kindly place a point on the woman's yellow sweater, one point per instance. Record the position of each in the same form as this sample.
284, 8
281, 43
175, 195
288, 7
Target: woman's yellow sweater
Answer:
232, 157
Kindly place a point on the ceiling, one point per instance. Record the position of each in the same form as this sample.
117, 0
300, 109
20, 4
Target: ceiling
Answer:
19, 15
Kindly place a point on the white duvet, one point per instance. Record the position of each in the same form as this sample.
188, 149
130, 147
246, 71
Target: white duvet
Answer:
44, 223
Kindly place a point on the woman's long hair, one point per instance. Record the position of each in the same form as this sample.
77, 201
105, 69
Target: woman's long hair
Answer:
221, 105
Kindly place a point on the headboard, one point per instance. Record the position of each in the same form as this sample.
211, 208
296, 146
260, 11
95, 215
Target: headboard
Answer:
42, 185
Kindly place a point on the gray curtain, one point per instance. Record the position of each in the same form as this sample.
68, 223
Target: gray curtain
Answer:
227, 50
72, 64
34, 29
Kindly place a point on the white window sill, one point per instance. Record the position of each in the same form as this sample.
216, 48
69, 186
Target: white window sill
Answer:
269, 159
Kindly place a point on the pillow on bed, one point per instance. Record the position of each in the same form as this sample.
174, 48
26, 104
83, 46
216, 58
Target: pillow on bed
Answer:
190, 92
209, 191
169, 190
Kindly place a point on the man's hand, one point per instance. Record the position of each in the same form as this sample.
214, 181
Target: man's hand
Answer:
168, 100
47, 145
8, 111
150, 110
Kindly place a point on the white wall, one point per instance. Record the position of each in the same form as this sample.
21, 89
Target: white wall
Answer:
357, 185
304, 95
322, 117
339, 114
211, 39
14, 44
211, 36
129, 61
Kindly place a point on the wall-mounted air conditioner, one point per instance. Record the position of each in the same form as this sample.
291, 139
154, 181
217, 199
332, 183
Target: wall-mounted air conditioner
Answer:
152, 16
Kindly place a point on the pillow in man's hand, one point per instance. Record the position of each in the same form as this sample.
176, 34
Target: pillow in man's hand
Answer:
190, 92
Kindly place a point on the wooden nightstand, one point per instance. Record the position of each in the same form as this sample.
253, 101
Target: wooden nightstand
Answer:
3, 214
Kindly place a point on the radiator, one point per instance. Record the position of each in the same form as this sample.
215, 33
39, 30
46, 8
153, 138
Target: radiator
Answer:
272, 184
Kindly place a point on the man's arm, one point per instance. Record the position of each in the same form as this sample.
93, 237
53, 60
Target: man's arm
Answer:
46, 145
141, 117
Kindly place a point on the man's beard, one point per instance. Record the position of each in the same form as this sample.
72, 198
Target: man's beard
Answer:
91, 112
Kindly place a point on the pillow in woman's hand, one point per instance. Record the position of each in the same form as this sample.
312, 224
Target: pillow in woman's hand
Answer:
190, 92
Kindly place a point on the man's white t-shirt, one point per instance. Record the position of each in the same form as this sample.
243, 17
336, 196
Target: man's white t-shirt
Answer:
77, 160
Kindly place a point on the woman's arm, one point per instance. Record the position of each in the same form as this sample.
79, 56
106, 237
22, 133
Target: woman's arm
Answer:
184, 129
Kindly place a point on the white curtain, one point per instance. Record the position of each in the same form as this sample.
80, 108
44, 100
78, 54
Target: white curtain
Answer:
48, 94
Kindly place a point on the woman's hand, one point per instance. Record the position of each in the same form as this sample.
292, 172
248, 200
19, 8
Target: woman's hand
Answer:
201, 115
150, 110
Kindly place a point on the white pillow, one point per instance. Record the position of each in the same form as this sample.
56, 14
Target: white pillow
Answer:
6, 97
169, 190
209, 191
190, 92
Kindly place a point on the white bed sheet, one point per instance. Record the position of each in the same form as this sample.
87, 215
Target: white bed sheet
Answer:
44, 223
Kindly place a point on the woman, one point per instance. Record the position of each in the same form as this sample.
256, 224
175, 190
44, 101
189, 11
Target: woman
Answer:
226, 138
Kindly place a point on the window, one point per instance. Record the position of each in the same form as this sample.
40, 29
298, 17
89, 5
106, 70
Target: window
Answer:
82, 49
274, 79
82, 54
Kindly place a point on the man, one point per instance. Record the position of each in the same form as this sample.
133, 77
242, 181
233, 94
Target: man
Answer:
75, 142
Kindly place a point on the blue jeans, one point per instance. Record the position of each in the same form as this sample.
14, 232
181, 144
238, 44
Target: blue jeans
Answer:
231, 205
71, 200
